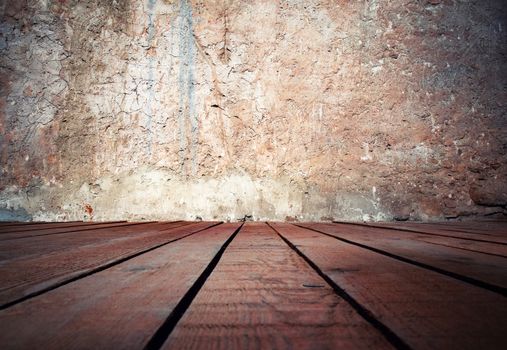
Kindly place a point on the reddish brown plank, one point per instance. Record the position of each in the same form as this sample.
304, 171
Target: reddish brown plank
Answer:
448, 241
27, 277
24, 228
484, 227
43, 245
478, 237
426, 309
9, 223
495, 231
478, 247
262, 295
484, 269
448, 228
118, 308
28, 223
52, 231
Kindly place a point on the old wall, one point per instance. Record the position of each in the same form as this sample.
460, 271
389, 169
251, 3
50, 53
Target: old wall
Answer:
221, 109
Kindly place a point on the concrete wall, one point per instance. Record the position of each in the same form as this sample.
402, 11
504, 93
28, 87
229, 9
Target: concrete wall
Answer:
221, 109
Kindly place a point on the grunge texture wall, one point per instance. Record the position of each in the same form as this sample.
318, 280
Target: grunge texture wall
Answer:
285, 110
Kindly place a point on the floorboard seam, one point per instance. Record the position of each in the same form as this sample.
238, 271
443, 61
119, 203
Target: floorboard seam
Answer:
84, 229
452, 229
97, 269
460, 248
417, 231
26, 224
87, 224
165, 330
366, 314
477, 283
466, 229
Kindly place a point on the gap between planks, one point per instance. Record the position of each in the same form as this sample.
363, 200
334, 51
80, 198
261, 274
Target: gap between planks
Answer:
486, 238
57, 231
424, 308
262, 294
23, 228
136, 295
88, 267
417, 257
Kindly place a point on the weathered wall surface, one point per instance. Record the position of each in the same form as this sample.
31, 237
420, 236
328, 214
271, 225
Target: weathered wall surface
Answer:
302, 109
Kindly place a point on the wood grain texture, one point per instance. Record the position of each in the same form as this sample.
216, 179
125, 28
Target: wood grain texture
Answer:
4, 224
482, 267
118, 308
493, 236
486, 231
16, 249
114, 287
263, 295
29, 276
60, 230
489, 228
390, 232
34, 227
426, 309
478, 247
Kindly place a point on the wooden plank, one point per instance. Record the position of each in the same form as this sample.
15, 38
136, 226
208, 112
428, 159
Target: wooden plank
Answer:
43, 245
494, 235
23, 278
52, 226
33, 225
440, 232
27, 223
481, 269
21, 223
53, 231
426, 309
448, 241
498, 230
263, 295
23, 228
478, 247
486, 230
468, 226
118, 308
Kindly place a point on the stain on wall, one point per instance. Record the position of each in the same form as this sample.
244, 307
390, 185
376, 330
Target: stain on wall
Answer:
186, 87
151, 72
280, 110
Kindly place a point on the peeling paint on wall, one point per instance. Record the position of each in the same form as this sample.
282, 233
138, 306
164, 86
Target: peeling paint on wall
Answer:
178, 109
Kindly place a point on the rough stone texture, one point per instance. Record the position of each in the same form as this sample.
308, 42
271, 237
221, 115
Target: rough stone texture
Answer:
281, 110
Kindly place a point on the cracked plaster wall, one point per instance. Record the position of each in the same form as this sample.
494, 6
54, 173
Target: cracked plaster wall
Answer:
221, 109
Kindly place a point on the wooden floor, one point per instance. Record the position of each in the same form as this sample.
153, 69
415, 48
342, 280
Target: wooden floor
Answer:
211, 285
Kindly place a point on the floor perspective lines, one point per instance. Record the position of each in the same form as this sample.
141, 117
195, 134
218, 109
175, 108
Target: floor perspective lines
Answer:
214, 285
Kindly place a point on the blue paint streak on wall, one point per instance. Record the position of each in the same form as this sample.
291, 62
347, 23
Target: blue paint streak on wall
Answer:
151, 75
186, 84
